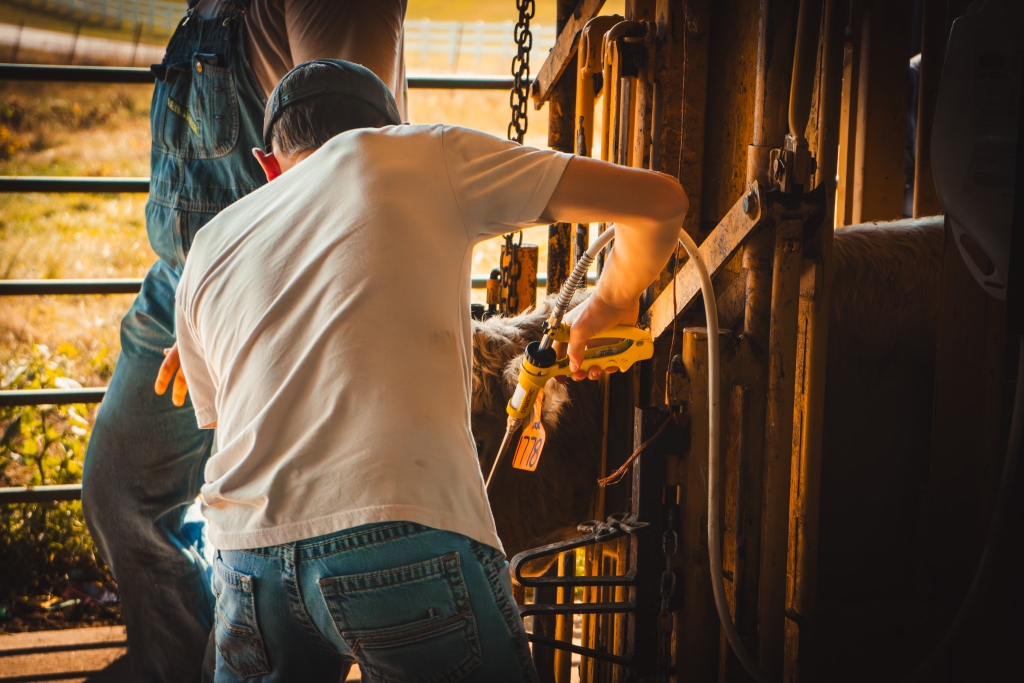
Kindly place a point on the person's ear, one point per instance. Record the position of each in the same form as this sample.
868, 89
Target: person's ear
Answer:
269, 162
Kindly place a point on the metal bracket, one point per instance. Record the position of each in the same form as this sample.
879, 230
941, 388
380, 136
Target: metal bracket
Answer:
791, 165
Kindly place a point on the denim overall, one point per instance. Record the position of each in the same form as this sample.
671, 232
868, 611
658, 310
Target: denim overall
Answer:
145, 460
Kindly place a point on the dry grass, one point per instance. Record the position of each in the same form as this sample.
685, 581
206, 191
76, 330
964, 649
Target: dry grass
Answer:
57, 129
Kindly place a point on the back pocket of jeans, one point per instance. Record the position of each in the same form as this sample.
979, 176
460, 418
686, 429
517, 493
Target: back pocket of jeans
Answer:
238, 638
410, 624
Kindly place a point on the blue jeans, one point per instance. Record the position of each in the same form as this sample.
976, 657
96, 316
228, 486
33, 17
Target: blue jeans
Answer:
406, 602
144, 466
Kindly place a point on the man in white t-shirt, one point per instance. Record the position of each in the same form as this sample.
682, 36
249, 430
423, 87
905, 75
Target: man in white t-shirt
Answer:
324, 329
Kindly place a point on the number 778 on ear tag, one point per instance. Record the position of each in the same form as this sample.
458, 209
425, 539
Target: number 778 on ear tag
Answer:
531, 443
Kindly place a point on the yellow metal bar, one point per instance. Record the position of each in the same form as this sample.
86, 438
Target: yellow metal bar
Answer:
563, 622
778, 445
591, 63
723, 242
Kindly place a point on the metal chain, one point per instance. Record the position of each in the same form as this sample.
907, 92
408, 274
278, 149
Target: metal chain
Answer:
519, 98
510, 275
519, 101
669, 547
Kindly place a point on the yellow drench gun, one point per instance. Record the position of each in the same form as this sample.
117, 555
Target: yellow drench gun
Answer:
540, 362
540, 365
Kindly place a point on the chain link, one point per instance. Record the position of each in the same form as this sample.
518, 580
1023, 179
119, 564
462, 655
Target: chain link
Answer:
519, 98
510, 272
519, 101
667, 586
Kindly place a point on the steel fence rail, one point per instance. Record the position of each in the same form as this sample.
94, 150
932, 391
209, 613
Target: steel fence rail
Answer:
40, 494
137, 74
72, 184
132, 285
46, 397
475, 39
126, 285
77, 74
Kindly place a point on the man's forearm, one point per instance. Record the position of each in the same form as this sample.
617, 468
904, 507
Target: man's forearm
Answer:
636, 261
647, 209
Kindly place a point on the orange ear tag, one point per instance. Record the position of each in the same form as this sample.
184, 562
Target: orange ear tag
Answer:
532, 441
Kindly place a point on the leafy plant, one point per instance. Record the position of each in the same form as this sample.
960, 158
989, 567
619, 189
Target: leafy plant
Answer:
43, 445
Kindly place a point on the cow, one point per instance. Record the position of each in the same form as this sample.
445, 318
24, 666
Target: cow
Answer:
881, 353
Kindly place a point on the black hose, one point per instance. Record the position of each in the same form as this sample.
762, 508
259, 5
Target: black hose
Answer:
1003, 499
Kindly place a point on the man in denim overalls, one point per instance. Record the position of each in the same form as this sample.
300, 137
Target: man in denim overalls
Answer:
145, 461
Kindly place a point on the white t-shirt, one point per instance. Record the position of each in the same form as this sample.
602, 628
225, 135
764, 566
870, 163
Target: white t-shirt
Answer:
323, 321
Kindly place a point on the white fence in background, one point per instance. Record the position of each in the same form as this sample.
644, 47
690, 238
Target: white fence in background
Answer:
424, 38
153, 16
472, 39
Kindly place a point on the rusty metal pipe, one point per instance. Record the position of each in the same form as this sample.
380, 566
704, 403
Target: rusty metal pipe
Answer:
772, 85
778, 444
861, 141
812, 335
830, 97
591, 64
761, 71
808, 28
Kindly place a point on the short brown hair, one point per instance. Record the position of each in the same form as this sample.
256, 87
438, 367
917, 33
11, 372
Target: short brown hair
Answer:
311, 123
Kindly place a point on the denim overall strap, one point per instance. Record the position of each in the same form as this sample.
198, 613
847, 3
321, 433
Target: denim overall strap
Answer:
206, 114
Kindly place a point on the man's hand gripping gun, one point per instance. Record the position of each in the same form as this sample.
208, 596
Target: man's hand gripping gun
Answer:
540, 364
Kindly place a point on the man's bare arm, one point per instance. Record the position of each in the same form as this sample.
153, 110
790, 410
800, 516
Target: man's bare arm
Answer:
647, 209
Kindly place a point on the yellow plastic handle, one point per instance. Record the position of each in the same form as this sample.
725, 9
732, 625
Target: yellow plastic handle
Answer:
634, 345
561, 333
